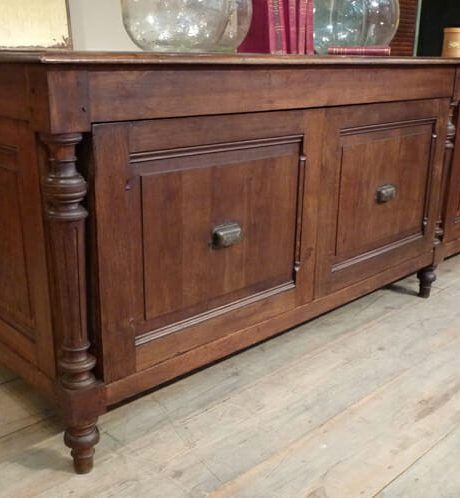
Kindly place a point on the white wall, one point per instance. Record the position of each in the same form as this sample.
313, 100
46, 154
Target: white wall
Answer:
98, 25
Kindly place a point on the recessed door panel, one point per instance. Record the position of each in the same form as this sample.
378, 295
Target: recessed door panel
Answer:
185, 201
381, 172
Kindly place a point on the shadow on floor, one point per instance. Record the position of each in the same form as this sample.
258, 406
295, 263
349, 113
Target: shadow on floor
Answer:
400, 289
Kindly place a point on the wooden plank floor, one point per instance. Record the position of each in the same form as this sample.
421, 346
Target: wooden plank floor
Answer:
362, 402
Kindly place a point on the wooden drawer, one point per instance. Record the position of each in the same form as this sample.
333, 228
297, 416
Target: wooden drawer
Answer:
381, 169
166, 191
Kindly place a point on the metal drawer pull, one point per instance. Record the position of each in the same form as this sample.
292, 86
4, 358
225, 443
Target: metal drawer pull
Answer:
226, 235
386, 193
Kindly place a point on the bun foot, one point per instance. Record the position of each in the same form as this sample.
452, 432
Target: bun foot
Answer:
82, 441
427, 277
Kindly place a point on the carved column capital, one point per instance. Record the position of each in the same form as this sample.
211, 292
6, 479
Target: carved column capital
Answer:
63, 187
451, 127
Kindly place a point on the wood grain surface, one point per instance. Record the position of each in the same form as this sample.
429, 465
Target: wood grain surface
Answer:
362, 402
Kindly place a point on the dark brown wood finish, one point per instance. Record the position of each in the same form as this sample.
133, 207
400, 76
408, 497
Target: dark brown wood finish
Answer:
64, 189
191, 206
383, 146
25, 323
451, 194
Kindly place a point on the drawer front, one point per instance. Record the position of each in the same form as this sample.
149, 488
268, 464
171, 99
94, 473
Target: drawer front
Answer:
381, 173
198, 224
191, 203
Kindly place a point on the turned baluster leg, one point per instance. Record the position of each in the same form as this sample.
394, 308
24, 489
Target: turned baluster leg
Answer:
82, 441
427, 277
79, 393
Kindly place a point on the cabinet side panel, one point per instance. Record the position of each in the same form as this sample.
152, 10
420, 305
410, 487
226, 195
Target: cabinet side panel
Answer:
15, 303
25, 325
13, 94
452, 215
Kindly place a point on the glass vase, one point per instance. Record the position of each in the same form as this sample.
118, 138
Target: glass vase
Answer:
239, 22
354, 23
176, 25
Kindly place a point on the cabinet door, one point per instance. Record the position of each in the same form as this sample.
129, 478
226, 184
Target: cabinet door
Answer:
380, 184
199, 231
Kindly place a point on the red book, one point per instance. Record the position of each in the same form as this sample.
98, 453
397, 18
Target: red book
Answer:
370, 50
309, 30
301, 26
267, 33
279, 23
291, 25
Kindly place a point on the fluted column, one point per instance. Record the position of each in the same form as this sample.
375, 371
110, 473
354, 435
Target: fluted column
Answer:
64, 190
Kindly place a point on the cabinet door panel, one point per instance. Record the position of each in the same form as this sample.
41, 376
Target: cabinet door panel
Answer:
165, 284
398, 159
381, 174
182, 205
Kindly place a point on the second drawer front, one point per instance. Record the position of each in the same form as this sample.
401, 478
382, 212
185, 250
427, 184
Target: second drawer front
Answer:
380, 176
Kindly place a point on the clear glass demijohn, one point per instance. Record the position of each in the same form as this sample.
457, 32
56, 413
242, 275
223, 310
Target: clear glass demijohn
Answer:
355, 23
176, 25
239, 21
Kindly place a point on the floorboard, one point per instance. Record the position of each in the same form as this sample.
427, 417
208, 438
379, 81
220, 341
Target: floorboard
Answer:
362, 402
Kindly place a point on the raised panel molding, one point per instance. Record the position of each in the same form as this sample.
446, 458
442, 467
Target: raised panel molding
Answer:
382, 167
376, 149
15, 301
202, 283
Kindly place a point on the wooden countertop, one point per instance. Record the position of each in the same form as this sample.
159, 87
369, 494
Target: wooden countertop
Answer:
150, 58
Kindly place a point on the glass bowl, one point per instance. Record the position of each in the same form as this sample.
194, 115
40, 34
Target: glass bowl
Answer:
354, 23
176, 25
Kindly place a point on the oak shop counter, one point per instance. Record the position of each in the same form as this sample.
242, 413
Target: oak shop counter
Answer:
159, 212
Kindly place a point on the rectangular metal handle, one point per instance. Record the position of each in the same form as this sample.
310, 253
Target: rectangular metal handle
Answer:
226, 235
386, 193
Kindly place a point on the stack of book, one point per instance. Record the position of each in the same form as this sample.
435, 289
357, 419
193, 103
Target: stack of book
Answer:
360, 50
280, 27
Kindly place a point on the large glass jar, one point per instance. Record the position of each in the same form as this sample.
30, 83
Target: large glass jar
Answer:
354, 23
239, 21
176, 25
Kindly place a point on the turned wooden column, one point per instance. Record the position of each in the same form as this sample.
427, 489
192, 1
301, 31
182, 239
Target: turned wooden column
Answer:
427, 276
447, 169
64, 189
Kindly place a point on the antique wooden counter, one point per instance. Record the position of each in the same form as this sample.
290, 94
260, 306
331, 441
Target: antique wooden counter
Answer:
161, 212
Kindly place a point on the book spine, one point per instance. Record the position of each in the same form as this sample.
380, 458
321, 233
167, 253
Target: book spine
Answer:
277, 26
310, 28
284, 38
378, 51
291, 26
302, 23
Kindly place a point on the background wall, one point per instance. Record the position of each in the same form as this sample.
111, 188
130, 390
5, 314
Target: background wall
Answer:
98, 25
33, 23
436, 15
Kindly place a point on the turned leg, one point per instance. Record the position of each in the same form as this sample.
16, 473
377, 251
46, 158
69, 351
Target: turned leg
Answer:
427, 277
82, 440
79, 394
